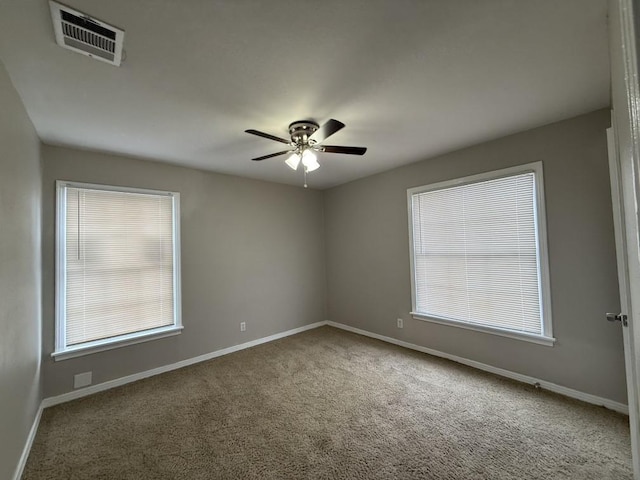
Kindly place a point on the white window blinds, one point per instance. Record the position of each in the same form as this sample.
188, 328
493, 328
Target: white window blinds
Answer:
476, 255
118, 263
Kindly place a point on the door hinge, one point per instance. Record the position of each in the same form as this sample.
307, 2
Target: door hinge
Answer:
618, 317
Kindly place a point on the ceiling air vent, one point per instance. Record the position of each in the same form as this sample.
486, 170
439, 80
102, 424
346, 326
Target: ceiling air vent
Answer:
78, 32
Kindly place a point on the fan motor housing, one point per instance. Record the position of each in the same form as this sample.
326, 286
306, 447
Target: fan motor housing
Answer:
301, 130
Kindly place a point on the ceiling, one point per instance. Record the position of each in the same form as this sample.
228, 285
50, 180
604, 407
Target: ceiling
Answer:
411, 79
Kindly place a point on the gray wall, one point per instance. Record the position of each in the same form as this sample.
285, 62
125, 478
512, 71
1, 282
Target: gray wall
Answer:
19, 276
368, 256
255, 251
251, 251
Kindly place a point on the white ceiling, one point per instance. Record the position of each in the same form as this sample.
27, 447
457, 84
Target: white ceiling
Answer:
410, 78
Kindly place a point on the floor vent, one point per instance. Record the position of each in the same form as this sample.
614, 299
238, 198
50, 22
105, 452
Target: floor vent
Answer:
78, 32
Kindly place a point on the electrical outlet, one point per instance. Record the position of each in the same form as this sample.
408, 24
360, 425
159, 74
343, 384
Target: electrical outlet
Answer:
243, 326
82, 380
400, 323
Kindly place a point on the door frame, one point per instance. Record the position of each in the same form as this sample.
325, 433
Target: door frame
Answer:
626, 139
623, 277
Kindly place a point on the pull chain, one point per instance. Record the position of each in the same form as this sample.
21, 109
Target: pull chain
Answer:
305, 176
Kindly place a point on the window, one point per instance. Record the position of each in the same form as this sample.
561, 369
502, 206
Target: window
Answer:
478, 253
117, 267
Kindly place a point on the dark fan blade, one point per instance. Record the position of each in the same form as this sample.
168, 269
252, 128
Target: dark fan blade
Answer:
347, 150
326, 130
266, 135
272, 155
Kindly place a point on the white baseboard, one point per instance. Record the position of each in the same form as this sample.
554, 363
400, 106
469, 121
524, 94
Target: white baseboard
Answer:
83, 392
569, 392
27, 446
51, 401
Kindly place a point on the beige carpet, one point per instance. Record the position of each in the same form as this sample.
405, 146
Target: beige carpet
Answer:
327, 404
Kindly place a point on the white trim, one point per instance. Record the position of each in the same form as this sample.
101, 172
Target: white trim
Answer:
116, 342
543, 249
569, 392
541, 243
61, 350
66, 397
61, 261
539, 339
625, 94
177, 262
100, 387
28, 444
114, 188
533, 167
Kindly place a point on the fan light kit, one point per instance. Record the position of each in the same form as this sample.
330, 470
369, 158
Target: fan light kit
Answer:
306, 137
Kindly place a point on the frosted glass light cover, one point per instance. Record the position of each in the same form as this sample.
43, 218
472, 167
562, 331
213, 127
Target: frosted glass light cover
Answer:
310, 161
293, 161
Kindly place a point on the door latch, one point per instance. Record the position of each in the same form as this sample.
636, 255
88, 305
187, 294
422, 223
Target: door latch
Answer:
617, 317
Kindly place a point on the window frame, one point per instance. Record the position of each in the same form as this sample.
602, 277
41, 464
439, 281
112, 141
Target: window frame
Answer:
62, 351
546, 337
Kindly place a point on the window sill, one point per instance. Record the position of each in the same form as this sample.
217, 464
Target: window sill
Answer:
539, 339
116, 342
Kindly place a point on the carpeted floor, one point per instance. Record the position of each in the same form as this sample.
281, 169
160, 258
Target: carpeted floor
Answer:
328, 404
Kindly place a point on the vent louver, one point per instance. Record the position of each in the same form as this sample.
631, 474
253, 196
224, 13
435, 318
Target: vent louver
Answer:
78, 32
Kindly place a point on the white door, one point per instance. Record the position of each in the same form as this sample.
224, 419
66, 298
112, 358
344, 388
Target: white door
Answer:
624, 317
625, 166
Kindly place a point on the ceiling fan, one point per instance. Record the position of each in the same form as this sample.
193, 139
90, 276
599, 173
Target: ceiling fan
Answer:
306, 137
